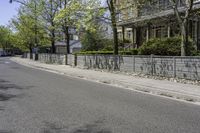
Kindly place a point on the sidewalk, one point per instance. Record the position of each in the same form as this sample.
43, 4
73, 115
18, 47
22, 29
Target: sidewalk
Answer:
180, 91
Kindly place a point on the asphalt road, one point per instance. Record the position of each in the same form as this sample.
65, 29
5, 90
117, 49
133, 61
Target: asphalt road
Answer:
35, 101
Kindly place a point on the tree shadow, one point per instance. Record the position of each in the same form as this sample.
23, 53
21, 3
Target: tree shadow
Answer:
54, 128
1, 108
95, 127
5, 131
3, 81
91, 128
6, 85
15, 68
6, 97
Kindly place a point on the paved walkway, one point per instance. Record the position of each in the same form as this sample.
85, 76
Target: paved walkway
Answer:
170, 89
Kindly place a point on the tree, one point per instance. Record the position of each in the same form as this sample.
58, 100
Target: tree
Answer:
29, 30
50, 9
92, 41
79, 15
112, 10
65, 27
32, 9
5, 35
68, 9
182, 18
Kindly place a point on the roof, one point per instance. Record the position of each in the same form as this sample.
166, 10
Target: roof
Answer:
73, 43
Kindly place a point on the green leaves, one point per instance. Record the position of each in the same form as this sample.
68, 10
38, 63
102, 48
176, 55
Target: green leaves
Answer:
80, 15
69, 13
29, 26
5, 37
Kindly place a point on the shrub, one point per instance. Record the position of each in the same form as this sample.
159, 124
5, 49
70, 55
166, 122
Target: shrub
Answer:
130, 52
196, 53
95, 41
107, 45
94, 53
91, 41
166, 46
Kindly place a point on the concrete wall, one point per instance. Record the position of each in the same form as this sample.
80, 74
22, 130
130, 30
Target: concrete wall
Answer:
165, 66
71, 59
52, 58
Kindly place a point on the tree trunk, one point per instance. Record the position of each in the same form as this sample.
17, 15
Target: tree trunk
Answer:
115, 41
112, 10
115, 37
114, 27
66, 32
67, 40
53, 48
31, 52
184, 38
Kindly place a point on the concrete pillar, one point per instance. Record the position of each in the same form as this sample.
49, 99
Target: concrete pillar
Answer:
168, 31
148, 33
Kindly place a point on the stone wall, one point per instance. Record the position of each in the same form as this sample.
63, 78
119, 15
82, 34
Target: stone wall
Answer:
52, 58
165, 66
71, 60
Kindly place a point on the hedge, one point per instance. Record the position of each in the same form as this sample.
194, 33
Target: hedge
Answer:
166, 46
129, 52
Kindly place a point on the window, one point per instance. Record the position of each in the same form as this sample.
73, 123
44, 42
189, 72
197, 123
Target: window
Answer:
129, 33
130, 12
160, 31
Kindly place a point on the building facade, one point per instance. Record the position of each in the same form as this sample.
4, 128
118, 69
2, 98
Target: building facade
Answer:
155, 19
75, 44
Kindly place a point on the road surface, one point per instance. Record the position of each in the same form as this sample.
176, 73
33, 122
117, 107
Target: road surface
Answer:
35, 101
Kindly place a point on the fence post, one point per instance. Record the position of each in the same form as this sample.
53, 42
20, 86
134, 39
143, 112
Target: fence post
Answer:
133, 63
151, 58
174, 66
119, 61
66, 59
75, 60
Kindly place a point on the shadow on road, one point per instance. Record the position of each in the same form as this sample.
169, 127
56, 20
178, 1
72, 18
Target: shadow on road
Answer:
6, 97
95, 127
5, 94
5, 85
54, 128
2, 108
4, 131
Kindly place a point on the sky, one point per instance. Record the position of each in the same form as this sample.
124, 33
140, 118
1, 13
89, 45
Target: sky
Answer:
7, 11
